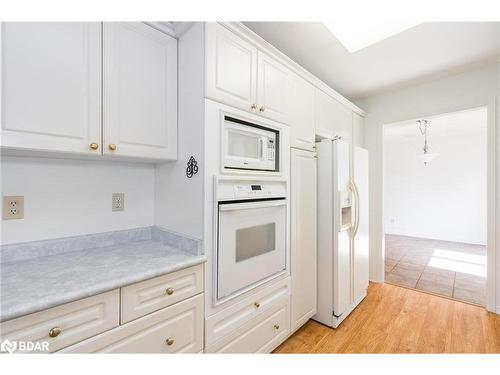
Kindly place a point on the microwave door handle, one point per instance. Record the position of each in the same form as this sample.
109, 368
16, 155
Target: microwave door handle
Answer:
261, 145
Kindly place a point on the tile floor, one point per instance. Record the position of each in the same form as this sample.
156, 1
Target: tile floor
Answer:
451, 269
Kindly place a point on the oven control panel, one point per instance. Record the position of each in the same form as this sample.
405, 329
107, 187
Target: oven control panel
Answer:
251, 190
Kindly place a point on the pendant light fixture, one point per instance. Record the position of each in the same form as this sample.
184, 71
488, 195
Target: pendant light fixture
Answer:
426, 157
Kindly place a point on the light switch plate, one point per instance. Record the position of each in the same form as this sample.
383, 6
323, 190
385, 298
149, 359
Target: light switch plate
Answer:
13, 207
118, 202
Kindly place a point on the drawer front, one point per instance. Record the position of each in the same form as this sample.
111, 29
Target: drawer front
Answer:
151, 295
175, 329
260, 335
233, 317
77, 321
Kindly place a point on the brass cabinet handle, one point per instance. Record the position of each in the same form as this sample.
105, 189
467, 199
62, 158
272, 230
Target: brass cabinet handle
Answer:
253, 107
276, 326
112, 146
257, 304
94, 146
54, 332
170, 341
169, 291
262, 109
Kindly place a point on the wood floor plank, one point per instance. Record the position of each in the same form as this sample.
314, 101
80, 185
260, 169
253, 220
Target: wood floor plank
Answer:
392, 319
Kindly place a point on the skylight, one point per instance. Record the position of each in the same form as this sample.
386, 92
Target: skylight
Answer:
356, 36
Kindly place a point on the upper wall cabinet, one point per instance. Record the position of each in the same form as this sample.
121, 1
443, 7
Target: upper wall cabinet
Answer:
241, 76
51, 82
51, 86
140, 91
332, 118
302, 114
231, 68
273, 89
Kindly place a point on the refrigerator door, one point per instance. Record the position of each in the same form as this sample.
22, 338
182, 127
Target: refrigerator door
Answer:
342, 249
360, 242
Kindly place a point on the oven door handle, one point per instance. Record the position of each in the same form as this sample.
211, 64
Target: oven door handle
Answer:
249, 205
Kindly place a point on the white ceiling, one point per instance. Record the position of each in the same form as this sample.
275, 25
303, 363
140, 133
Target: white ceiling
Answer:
463, 123
424, 52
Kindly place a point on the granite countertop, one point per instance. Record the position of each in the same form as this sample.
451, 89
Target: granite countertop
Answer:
36, 283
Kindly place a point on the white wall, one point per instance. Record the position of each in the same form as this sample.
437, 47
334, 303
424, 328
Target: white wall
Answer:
470, 89
73, 197
445, 199
179, 200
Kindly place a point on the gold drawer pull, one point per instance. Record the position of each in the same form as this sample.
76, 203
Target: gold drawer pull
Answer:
112, 147
94, 146
54, 332
253, 107
169, 291
257, 304
170, 341
262, 109
276, 326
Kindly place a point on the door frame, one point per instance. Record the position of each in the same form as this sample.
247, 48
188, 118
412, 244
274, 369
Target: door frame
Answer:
491, 303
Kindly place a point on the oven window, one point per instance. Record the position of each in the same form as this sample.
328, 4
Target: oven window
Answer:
242, 145
255, 241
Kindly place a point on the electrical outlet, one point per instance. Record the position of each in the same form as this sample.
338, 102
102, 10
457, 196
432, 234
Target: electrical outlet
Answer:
13, 207
118, 202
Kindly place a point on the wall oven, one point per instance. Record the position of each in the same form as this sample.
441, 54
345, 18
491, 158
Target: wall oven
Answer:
251, 235
249, 146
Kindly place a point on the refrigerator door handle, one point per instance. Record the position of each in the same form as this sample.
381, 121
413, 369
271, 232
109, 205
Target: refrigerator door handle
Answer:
356, 208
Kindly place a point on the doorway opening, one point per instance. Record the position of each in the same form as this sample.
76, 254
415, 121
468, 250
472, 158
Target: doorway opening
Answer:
435, 204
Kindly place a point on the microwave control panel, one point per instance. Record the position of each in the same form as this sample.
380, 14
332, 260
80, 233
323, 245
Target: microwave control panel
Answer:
251, 191
271, 149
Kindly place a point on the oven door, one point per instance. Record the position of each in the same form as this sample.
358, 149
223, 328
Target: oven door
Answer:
251, 244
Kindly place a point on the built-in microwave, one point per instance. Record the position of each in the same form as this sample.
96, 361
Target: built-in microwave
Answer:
250, 146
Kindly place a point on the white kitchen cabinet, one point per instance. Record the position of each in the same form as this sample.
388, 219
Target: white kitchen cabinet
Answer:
51, 86
303, 236
243, 77
259, 335
143, 298
358, 136
66, 324
231, 68
140, 91
302, 114
175, 329
332, 118
273, 89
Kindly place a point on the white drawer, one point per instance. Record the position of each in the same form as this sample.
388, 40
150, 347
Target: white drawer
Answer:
260, 335
154, 294
182, 323
77, 321
232, 317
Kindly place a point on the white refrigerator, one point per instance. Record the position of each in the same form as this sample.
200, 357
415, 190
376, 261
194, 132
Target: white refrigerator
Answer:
342, 229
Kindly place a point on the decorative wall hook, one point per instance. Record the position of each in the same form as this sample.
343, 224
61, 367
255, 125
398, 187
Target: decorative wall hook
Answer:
192, 167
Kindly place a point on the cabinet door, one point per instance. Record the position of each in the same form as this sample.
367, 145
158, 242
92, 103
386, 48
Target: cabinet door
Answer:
358, 137
231, 68
175, 329
273, 89
303, 236
51, 86
302, 114
332, 118
140, 91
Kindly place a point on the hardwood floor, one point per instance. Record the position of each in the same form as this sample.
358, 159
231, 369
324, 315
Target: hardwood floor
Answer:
392, 319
